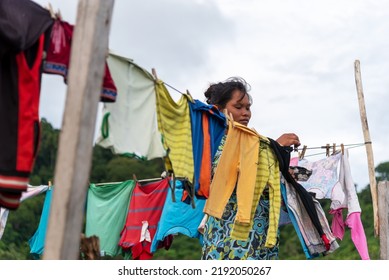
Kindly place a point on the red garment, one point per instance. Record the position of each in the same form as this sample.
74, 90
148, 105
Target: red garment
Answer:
146, 205
58, 59
11, 187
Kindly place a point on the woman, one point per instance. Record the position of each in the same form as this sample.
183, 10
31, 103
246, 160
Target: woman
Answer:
232, 95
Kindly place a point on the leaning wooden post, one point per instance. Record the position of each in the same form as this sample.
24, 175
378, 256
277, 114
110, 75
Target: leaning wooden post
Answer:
368, 145
88, 54
383, 213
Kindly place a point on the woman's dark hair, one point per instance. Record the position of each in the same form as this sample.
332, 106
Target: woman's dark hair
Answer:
220, 93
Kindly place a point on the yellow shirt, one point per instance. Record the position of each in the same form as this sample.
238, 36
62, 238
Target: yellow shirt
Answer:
248, 164
175, 127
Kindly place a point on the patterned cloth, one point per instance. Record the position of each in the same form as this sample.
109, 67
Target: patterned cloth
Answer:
300, 173
218, 245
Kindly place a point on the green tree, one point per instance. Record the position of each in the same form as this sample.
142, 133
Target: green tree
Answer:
47, 154
383, 171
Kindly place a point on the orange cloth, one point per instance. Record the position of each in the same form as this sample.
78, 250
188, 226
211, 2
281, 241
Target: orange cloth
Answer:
205, 173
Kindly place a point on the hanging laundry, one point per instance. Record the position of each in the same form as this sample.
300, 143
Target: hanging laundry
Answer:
248, 165
174, 124
23, 26
37, 241
58, 58
208, 127
313, 240
32, 191
324, 175
344, 194
144, 213
295, 223
307, 200
284, 215
333, 180
106, 212
129, 126
178, 217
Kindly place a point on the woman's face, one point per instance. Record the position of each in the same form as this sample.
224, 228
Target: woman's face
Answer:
239, 107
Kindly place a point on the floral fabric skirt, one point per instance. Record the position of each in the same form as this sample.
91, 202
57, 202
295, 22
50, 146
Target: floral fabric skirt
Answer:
218, 245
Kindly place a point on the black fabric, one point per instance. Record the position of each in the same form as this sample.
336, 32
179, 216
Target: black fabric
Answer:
189, 191
283, 156
21, 24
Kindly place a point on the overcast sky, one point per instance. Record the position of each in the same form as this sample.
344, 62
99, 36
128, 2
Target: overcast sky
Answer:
298, 57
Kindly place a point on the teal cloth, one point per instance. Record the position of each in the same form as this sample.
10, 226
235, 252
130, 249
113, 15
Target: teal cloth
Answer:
106, 213
37, 241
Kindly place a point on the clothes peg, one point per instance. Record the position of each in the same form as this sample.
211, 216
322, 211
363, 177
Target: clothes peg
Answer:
154, 72
134, 177
164, 174
229, 117
58, 15
342, 148
50, 9
301, 156
327, 150
232, 119
190, 96
333, 148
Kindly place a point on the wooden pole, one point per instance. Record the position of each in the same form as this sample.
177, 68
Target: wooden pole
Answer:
383, 213
88, 54
368, 145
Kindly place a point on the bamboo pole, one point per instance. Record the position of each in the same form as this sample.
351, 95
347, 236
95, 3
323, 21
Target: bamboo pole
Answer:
88, 53
383, 209
368, 145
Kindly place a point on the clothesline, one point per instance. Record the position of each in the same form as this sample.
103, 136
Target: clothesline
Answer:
338, 146
173, 88
350, 146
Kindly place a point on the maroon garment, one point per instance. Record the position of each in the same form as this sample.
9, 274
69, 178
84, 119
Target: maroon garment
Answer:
58, 59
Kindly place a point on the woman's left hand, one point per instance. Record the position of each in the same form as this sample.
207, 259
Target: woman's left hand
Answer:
289, 139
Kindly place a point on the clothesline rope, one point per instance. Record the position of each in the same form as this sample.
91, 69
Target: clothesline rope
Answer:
173, 88
350, 146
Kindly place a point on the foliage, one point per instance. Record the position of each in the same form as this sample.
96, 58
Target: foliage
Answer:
45, 160
383, 171
182, 248
21, 225
107, 167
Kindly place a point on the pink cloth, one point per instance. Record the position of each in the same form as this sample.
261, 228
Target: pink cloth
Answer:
358, 236
337, 225
294, 161
354, 223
